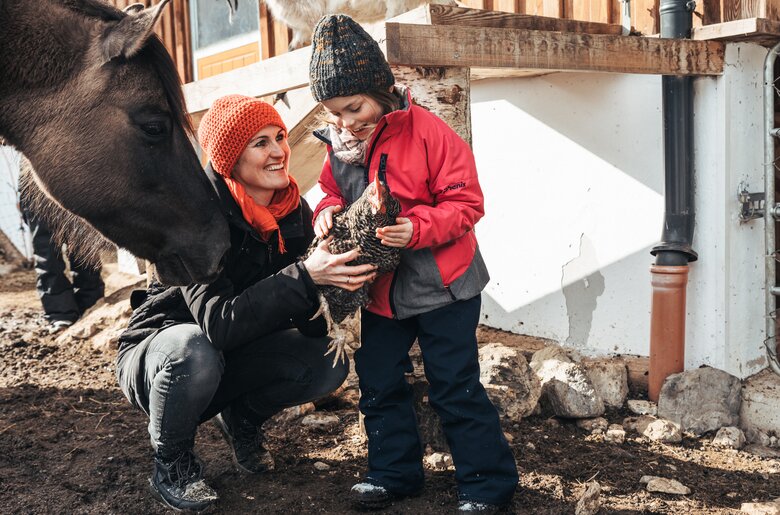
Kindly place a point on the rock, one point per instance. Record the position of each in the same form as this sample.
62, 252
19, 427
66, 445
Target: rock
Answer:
567, 390
321, 466
731, 437
590, 502
761, 451
428, 421
439, 461
760, 508
615, 434
757, 436
701, 400
320, 421
646, 479
593, 425
665, 431
610, 380
554, 352
294, 412
760, 408
667, 486
640, 407
509, 381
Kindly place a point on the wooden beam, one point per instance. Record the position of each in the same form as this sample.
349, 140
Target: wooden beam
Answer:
420, 45
448, 15
755, 30
268, 77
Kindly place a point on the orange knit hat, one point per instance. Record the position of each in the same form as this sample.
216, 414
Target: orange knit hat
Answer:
228, 126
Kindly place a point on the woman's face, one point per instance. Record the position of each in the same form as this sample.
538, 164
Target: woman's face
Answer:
358, 114
262, 166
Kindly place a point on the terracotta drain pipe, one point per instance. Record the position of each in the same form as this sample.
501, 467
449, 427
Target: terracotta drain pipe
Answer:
670, 272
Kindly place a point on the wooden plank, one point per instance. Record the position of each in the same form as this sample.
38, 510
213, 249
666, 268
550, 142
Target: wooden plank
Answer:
506, 73
447, 15
509, 6
756, 30
419, 45
588, 10
267, 77
710, 11
739, 9
644, 16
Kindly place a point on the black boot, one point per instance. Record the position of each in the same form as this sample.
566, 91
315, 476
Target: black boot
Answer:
178, 483
246, 442
467, 506
368, 495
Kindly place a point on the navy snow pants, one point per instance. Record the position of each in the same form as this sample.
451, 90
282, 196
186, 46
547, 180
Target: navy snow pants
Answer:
485, 467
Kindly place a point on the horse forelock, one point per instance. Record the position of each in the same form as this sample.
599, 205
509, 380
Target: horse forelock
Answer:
85, 243
156, 53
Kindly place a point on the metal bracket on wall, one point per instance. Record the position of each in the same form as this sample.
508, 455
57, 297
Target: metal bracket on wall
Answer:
751, 204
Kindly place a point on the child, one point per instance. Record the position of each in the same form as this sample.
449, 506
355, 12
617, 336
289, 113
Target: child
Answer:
433, 296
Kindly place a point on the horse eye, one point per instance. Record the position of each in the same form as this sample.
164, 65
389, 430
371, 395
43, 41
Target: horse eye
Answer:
154, 128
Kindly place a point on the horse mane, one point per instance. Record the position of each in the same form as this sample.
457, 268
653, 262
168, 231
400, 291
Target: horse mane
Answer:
85, 243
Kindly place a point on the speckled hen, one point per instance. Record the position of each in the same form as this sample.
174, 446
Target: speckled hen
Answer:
356, 227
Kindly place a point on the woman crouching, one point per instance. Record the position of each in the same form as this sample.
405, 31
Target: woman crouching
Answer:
243, 347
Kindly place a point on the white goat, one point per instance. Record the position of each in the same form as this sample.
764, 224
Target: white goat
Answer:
302, 16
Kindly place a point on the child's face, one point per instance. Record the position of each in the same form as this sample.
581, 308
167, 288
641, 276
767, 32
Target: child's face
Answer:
358, 114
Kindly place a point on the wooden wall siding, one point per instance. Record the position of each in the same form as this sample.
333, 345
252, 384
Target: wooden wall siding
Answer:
644, 13
738, 9
174, 30
275, 37
228, 60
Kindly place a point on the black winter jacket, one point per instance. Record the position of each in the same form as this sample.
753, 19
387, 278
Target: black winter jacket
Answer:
258, 292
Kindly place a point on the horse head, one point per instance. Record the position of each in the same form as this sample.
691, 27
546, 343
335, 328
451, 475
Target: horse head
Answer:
92, 99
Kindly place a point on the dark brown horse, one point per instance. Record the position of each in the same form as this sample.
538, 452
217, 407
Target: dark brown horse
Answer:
90, 96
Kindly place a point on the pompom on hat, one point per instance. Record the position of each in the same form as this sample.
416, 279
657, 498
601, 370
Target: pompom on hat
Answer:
345, 60
227, 127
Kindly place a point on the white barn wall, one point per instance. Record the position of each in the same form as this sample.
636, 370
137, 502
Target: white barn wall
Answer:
569, 164
572, 169
10, 218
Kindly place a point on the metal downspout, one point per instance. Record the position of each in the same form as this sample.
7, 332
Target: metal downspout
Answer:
770, 208
674, 252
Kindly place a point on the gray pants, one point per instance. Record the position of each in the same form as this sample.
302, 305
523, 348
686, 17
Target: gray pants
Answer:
179, 379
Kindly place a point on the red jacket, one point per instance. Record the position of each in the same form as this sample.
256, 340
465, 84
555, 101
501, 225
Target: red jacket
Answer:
431, 171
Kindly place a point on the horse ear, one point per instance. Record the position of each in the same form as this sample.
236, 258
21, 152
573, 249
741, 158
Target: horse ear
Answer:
133, 8
131, 32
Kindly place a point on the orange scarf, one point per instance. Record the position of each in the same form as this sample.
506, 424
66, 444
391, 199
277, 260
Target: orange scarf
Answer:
264, 219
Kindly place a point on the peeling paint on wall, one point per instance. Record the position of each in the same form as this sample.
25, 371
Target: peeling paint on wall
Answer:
581, 290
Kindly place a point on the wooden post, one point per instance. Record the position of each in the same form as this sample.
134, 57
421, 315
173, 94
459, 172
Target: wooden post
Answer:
443, 91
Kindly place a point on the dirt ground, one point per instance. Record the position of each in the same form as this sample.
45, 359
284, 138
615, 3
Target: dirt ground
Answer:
71, 443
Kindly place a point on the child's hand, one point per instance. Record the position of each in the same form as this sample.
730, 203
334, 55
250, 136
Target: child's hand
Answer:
396, 235
324, 221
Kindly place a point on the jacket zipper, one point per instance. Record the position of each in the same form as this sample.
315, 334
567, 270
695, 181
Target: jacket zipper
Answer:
392, 292
371, 153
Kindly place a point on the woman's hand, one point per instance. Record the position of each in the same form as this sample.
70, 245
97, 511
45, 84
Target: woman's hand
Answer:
332, 269
398, 235
324, 222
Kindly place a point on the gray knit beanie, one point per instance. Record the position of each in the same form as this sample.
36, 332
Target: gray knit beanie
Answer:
345, 60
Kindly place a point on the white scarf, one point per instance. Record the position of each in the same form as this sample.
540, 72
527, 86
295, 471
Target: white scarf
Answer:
347, 147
